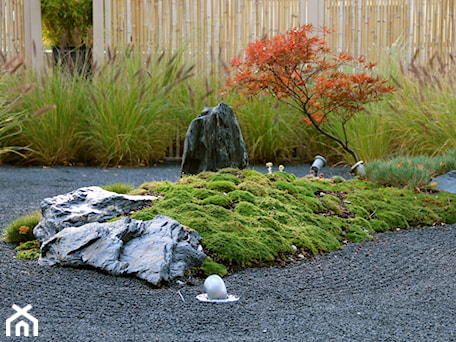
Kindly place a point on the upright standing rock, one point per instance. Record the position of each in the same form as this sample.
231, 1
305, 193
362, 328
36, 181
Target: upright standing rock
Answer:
214, 141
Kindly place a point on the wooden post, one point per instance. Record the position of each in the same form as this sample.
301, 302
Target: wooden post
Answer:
33, 34
98, 32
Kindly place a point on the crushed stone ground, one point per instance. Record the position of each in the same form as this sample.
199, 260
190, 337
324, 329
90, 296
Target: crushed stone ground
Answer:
401, 286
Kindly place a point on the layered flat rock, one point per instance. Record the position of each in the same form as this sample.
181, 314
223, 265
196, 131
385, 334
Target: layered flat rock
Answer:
158, 251
84, 205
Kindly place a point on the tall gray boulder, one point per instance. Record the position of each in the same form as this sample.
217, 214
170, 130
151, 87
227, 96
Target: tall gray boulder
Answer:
214, 141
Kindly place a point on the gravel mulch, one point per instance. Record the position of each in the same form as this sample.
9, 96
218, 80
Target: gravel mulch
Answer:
401, 286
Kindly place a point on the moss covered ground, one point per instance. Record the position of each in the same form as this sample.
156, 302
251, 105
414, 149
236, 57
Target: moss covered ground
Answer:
247, 218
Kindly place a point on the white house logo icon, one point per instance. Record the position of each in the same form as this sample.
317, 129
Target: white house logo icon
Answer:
22, 325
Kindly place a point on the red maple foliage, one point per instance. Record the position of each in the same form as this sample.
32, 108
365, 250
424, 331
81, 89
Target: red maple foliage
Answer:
298, 68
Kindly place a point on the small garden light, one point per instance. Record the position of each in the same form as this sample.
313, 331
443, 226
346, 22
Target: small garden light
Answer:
358, 169
318, 163
215, 291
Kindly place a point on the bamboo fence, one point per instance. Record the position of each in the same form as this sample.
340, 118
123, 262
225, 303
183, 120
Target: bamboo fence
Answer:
12, 32
212, 31
215, 31
420, 28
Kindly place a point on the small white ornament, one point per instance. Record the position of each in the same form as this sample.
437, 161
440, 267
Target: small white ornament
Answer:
215, 287
216, 291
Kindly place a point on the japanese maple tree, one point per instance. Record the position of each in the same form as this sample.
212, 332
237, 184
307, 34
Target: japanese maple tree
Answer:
298, 68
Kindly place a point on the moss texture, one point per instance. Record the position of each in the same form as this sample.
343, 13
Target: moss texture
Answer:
28, 250
246, 218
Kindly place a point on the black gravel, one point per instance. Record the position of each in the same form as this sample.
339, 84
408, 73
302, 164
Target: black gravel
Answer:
401, 286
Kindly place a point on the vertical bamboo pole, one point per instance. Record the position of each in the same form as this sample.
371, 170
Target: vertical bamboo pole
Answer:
238, 27
173, 18
129, 23
160, 25
194, 16
33, 34
452, 30
341, 26
108, 25
418, 17
315, 12
115, 21
98, 32
4, 17
10, 21
358, 31
187, 28
208, 25
410, 29
252, 20
219, 24
2, 27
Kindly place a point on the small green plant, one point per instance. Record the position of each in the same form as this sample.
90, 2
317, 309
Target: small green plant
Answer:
28, 250
120, 188
21, 230
411, 172
210, 267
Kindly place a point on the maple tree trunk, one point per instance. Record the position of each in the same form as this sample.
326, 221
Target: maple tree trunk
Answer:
329, 135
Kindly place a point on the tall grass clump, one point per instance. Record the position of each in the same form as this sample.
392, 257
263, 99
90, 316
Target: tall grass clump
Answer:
271, 131
132, 121
11, 117
425, 108
55, 136
420, 118
371, 134
188, 100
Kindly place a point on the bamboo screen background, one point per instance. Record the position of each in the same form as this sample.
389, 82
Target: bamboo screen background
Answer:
215, 30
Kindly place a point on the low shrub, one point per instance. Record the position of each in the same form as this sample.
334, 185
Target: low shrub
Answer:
21, 230
411, 172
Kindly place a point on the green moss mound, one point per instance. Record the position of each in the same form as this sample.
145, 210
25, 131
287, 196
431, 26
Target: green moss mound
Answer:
210, 267
246, 218
120, 188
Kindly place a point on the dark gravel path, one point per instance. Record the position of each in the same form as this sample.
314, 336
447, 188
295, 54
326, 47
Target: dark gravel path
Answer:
399, 287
